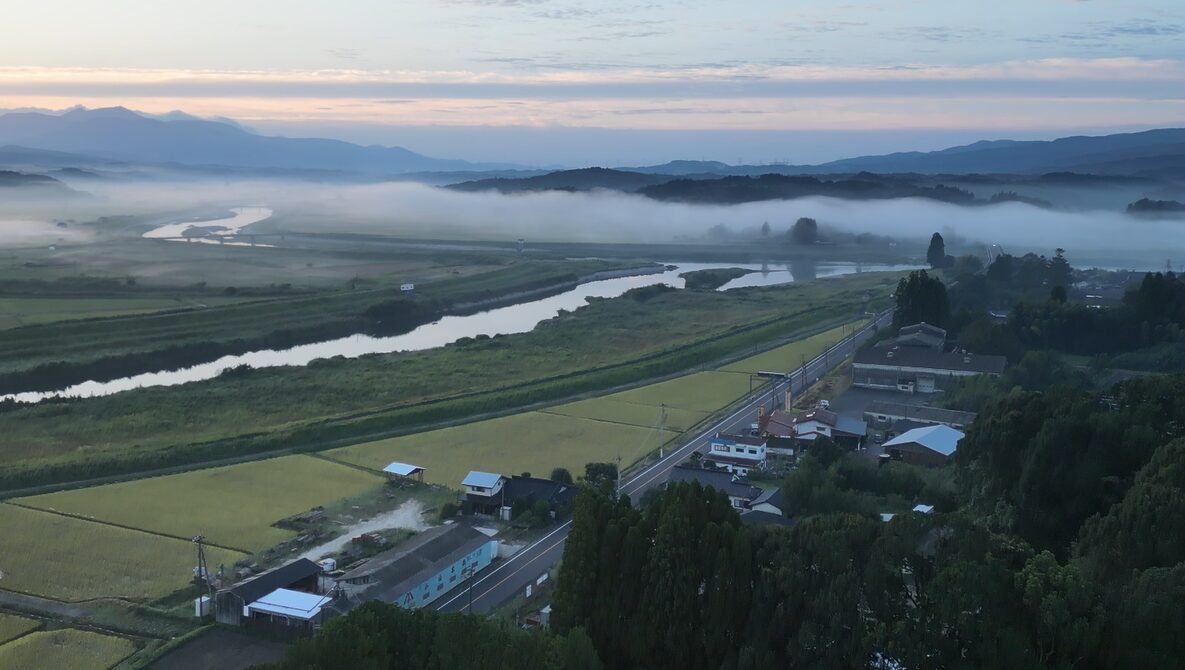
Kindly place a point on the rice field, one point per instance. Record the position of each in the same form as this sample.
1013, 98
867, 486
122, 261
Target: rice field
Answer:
70, 559
790, 356
65, 648
609, 408
233, 506
534, 442
701, 391
12, 626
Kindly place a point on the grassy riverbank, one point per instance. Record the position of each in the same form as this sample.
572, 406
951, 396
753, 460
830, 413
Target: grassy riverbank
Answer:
606, 344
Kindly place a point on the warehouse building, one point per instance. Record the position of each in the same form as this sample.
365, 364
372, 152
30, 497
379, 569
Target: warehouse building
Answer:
257, 598
421, 570
932, 445
918, 369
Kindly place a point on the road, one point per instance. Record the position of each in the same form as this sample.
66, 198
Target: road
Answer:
502, 581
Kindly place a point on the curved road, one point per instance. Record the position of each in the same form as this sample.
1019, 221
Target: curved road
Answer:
502, 581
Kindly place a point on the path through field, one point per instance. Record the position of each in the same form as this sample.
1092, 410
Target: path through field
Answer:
408, 515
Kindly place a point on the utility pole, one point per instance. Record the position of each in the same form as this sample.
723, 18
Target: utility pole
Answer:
469, 572
662, 425
618, 477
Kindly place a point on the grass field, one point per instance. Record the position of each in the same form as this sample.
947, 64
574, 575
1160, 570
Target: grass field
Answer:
70, 559
65, 648
609, 408
790, 356
702, 391
12, 626
532, 442
233, 506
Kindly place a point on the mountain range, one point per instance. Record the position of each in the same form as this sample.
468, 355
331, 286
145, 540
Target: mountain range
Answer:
116, 136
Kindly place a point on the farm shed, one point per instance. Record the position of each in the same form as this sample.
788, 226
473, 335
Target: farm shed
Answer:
405, 471
932, 445
284, 608
230, 604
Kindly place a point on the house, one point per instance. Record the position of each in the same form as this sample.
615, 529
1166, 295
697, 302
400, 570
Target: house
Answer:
932, 445
918, 369
739, 491
739, 454
491, 494
786, 433
923, 509
421, 570
845, 431
232, 606
882, 414
483, 493
769, 501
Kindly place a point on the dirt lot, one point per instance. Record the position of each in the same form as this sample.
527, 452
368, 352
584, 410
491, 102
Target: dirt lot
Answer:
221, 649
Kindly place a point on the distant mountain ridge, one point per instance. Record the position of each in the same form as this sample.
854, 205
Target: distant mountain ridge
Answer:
120, 134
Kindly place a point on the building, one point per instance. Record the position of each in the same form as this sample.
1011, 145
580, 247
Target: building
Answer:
295, 611
932, 445
845, 431
756, 518
397, 471
739, 491
233, 606
769, 501
492, 494
421, 570
882, 414
921, 335
918, 369
739, 454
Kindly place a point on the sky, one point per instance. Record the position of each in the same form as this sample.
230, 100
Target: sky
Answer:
614, 82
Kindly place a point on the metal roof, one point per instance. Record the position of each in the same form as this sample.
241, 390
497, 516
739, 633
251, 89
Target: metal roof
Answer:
408, 565
265, 582
291, 604
923, 509
940, 438
920, 412
927, 359
721, 480
486, 480
402, 469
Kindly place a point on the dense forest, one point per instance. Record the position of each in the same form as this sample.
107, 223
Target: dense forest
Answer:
1058, 539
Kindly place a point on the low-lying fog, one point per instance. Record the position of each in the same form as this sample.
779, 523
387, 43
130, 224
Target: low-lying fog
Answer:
412, 210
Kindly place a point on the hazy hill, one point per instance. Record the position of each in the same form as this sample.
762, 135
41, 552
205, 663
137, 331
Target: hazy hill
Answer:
18, 184
585, 179
118, 133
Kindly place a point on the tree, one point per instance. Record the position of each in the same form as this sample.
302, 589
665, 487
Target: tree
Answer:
1060, 273
936, 254
601, 475
765, 229
561, 475
805, 231
1058, 293
921, 297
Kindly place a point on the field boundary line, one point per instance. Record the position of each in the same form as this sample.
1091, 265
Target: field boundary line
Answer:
113, 524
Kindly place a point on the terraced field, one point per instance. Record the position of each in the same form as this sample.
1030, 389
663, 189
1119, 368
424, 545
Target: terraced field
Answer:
69, 559
65, 648
532, 442
233, 506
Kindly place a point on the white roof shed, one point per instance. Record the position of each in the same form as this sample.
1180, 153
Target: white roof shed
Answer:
290, 604
403, 469
486, 480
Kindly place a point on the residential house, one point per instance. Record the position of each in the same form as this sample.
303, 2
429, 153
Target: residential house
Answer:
845, 431
739, 454
739, 491
491, 494
769, 501
932, 445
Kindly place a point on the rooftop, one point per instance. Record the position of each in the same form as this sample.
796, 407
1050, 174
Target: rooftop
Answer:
406, 566
402, 469
920, 413
752, 518
940, 438
485, 480
721, 480
256, 587
291, 604
917, 357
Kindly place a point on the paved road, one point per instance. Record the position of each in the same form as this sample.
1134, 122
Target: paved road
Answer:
504, 580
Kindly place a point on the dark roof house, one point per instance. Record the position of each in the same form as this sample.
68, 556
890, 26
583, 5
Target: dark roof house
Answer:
736, 488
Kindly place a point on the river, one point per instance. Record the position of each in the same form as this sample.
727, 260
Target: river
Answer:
518, 318
240, 218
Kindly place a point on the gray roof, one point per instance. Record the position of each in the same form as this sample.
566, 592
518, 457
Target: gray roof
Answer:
939, 438
920, 413
260, 585
770, 496
916, 357
922, 327
397, 571
721, 480
402, 469
753, 518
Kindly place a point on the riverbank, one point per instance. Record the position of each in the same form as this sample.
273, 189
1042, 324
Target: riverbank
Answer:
606, 344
